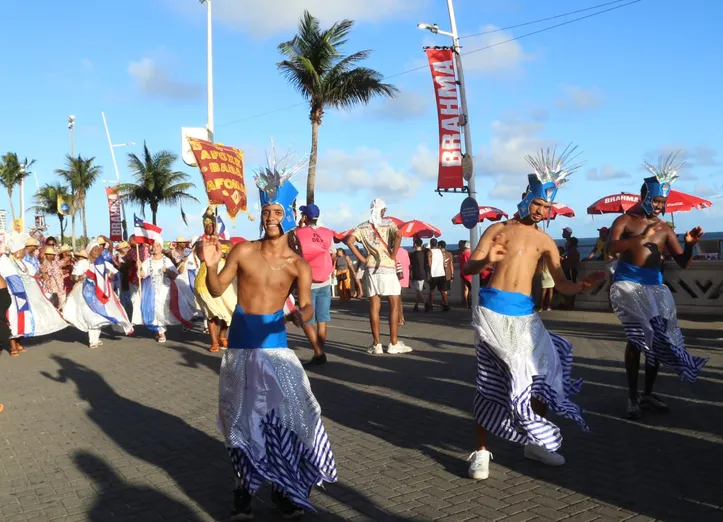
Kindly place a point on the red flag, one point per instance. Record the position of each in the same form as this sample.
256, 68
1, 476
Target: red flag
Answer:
441, 62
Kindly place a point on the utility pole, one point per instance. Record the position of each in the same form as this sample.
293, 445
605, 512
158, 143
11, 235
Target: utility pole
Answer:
71, 126
464, 124
209, 67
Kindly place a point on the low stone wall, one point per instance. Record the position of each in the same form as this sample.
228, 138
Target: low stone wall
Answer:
697, 289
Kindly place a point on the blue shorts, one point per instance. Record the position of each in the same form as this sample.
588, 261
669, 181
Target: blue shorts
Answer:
321, 301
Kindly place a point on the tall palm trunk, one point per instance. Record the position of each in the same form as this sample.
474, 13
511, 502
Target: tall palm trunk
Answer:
72, 229
62, 229
311, 178
85, 223
154, 211
12, 207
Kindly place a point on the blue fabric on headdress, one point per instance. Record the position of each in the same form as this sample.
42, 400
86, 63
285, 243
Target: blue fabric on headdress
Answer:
284, 196
536, 190
655, 189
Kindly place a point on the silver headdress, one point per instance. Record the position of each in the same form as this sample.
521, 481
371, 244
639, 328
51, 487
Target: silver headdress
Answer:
549, 168
667, 169
550, 171
274, 186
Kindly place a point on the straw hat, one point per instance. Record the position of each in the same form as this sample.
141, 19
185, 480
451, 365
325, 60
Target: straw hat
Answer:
50, 250
32, 242
65, 249
82, 254
181, 239
122, 245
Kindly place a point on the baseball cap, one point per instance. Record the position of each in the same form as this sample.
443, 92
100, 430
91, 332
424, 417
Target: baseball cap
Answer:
310, 211
603, 229
567, 229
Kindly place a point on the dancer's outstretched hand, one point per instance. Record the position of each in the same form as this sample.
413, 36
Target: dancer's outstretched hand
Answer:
592, 279
211, 251
497, 250
693, 235
295, 318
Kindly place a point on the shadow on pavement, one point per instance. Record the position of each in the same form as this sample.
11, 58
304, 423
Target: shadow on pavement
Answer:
195, 461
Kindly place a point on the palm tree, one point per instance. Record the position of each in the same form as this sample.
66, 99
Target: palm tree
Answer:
326, 78
80, 174
46, 202
156, 182
12, 173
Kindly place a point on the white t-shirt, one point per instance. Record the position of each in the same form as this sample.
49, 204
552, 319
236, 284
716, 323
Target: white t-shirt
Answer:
436, 268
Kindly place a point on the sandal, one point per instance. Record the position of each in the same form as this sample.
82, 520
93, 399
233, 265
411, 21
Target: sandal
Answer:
20, 349
223, 342
214, 348
162, 338
14, 353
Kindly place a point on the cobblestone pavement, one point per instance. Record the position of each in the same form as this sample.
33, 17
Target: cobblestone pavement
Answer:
127, 432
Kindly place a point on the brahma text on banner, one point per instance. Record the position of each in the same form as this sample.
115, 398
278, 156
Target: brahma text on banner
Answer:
114, 210
441, 62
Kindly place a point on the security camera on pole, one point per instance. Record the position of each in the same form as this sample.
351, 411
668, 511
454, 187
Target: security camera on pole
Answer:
468, 166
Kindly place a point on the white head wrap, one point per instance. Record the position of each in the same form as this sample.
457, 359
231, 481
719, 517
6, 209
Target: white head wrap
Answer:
375, 212
16, 243
91, 245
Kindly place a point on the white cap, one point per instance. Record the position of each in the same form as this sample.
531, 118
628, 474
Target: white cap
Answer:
567, 229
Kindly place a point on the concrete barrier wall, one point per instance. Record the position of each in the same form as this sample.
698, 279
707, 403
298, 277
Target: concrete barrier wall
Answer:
697, 289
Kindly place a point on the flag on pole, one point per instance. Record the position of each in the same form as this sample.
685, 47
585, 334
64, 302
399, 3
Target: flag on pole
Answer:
146, 233
65, 204
221, 228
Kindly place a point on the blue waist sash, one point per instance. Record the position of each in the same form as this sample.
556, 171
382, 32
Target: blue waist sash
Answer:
506, 303
250, 331
637, 274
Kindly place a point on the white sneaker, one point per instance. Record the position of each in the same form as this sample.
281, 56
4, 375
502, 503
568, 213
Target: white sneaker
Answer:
535, 452
479, 468
375, 349
400, 347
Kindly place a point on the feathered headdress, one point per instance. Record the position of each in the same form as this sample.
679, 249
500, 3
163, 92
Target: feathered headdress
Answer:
550, 171
663, 176
274, 185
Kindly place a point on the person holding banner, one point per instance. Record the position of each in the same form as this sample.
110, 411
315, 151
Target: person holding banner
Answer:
268, 415
522, 369
218, 310
93, 304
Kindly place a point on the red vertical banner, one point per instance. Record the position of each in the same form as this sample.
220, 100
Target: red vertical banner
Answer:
442, 64
114, 210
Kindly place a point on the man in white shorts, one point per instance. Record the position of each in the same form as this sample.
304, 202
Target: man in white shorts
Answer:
381, 240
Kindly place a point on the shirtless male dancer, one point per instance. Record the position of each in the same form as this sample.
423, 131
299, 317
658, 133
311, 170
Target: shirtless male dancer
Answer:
269, 417
638, 296
521, 368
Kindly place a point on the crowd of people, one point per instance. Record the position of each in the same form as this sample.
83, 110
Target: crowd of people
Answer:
268, 415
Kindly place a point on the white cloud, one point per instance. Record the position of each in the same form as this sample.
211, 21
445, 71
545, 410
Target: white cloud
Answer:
579, 98
272, 17
703, 190
405, 106
606, 173
497, 57
695, 156
366, 170
424, 163
157, 81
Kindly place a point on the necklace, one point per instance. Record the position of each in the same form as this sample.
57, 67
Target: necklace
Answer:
275, 269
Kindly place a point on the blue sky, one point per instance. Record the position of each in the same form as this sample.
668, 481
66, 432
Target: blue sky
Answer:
623, 85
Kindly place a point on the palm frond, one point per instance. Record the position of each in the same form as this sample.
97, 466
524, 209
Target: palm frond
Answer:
356, 87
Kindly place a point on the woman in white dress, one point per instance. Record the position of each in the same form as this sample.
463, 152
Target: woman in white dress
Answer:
160, 301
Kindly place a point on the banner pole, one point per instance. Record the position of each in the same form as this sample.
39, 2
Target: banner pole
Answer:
138, 266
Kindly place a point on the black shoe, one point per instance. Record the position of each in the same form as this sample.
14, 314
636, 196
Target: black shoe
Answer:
445, 308
287, 508
416, 308
242, 505
316, 360
428, 307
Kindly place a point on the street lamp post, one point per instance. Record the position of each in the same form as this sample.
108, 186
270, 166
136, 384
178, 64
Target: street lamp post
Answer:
71, 126
464, 123
209, 67
117, 174
22, 195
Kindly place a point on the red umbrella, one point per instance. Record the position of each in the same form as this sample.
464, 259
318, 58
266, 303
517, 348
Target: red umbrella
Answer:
396, 221
623, 202
557, 209
237, 239
488, 213
416, 228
